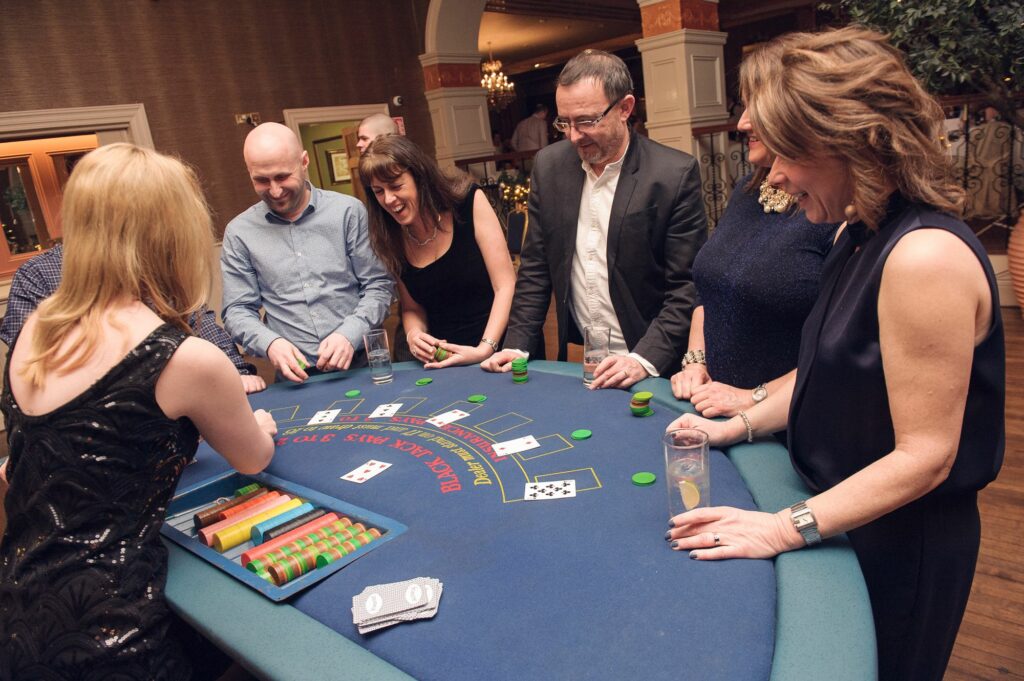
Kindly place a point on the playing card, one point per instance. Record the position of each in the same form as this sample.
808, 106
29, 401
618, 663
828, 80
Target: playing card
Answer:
385, 410
520, 444
447, 417
554, 489
325, 416
366, 471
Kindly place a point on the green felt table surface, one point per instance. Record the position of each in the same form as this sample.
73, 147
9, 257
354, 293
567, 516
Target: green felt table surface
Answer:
824, 627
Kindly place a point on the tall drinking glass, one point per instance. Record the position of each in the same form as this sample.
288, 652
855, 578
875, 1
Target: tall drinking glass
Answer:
378, 354
596, 342
687, 470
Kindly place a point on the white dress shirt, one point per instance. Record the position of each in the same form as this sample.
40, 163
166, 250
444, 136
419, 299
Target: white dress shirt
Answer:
591, 296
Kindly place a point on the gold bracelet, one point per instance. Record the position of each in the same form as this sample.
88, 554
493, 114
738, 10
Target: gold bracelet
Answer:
746, 422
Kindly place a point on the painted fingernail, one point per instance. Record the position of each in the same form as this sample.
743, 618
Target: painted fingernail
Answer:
671, 524
674, 544
693, 555
668, 535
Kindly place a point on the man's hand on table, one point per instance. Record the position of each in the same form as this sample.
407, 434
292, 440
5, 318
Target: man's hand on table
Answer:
286, 358
618, 371
252, 383
335, 352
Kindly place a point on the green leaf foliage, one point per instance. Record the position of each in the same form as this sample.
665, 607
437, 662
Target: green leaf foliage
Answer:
953, 46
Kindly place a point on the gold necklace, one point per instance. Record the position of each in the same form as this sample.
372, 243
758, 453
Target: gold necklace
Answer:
773, 199
426, 241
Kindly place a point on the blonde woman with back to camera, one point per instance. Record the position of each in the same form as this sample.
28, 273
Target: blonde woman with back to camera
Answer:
895, 418
102, 415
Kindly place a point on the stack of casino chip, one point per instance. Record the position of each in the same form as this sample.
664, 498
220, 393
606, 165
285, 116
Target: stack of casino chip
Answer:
519, 374
640, 405
440, 354
320, 543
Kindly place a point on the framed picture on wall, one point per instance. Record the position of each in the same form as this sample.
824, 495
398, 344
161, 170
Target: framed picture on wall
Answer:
337, 163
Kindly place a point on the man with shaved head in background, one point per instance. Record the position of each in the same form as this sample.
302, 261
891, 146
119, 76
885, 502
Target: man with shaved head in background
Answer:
303, 255
372, 127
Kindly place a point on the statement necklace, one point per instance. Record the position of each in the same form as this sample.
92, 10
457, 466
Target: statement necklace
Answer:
774, 200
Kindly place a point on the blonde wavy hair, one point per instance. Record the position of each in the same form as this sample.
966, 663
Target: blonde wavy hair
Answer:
847, 93
136, 227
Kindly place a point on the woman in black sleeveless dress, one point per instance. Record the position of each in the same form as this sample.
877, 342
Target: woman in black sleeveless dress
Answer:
102, 417
440, 238
895, 419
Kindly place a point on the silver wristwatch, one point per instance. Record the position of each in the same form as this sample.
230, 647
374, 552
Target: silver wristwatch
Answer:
804, 522
759, 393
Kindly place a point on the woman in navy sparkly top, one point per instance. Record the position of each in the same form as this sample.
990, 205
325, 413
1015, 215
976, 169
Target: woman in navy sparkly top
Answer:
757, 278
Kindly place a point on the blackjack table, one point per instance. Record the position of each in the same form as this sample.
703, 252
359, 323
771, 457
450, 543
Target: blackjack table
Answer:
580, 587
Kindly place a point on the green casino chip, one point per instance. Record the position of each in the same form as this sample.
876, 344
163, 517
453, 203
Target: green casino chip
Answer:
353, 393
424, 381
476, 398
644, 479
581, 434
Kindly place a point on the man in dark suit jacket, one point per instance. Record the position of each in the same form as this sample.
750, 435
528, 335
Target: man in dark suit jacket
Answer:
614, 236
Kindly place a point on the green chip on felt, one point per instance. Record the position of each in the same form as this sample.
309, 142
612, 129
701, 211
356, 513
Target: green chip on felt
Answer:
644, 479
424, 381
476, 398
581, 434
353, 393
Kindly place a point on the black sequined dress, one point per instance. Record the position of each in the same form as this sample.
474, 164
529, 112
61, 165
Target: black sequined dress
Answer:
82, 567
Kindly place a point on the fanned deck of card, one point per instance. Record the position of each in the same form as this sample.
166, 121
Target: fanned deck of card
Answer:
383, 605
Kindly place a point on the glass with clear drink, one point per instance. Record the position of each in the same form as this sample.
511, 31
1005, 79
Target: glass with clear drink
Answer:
596, 341
687, 470
378, 354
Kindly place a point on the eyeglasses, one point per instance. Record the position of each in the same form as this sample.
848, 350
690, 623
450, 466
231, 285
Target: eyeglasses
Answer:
585, 124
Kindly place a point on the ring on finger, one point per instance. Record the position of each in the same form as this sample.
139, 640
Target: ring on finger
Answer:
718, 539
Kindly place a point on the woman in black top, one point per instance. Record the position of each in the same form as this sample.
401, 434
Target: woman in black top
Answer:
896, 414
440, 238
102, 416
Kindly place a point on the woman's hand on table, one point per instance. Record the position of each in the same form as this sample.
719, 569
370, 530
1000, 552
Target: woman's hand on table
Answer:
461, 354
265, 420
686, 381
722, 532
718, 399
422, 345
720, 433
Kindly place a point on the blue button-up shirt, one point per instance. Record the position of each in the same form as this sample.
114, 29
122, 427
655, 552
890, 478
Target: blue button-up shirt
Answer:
313, 276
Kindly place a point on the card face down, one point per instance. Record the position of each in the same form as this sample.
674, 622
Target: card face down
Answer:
384, 605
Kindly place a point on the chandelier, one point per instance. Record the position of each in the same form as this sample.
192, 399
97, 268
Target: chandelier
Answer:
500, 90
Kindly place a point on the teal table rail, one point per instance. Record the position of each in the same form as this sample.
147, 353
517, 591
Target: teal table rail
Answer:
823, 620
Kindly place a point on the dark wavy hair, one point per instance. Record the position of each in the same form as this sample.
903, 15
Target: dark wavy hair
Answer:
385, 159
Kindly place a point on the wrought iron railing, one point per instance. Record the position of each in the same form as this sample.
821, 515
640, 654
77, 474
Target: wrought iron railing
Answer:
988, 160
722, 154
987, 154
504, 179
